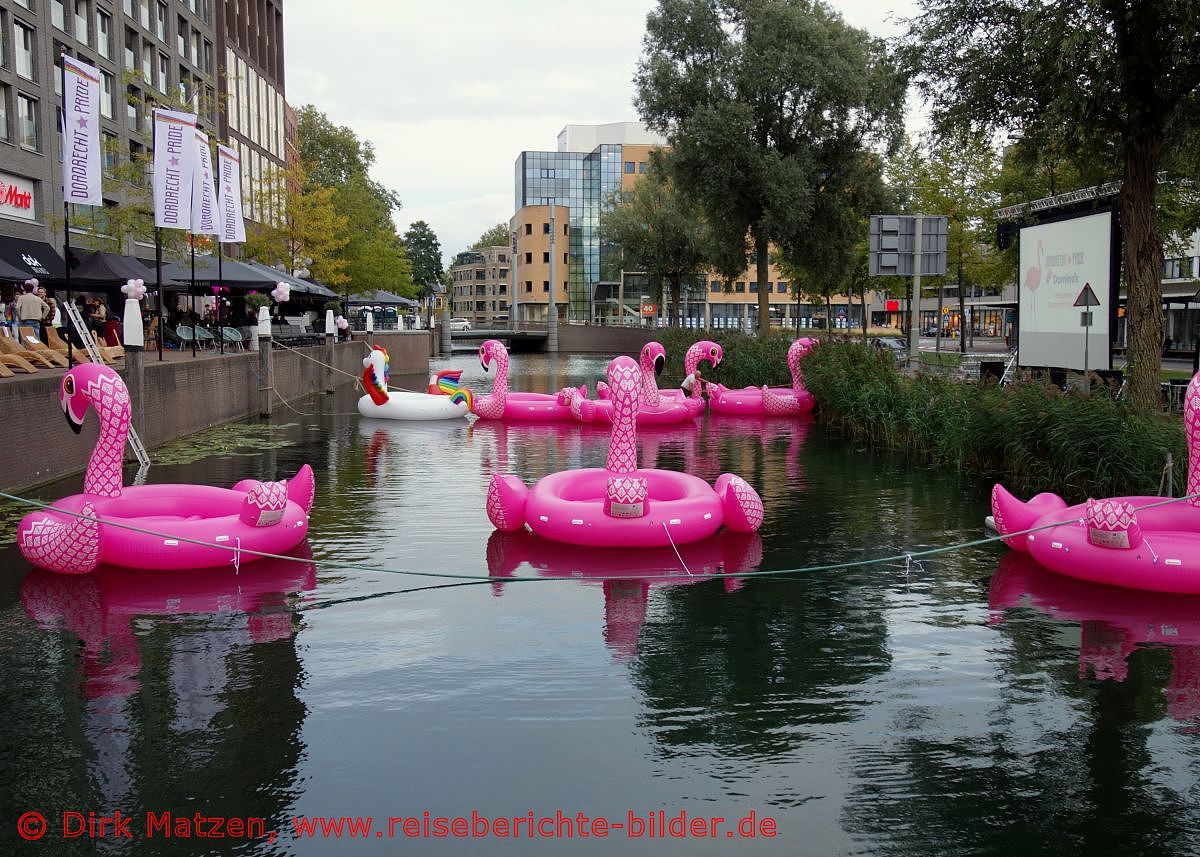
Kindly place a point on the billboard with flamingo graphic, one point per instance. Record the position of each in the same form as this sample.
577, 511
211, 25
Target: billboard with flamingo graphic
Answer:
1057, 260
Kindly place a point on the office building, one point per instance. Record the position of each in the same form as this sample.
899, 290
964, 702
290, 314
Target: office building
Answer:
479, 286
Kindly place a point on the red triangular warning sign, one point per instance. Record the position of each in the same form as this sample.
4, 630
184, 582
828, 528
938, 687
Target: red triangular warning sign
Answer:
1087, 297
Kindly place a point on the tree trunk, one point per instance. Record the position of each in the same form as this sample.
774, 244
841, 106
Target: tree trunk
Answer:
829, 315
863, 296
764, 299
1143, 257
676, 297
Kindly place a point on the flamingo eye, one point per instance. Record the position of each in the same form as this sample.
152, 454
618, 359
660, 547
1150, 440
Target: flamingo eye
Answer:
69, 385
713, 352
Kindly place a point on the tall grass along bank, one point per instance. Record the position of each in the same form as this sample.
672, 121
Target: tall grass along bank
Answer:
1030, 436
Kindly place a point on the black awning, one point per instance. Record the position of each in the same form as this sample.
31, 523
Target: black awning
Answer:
36, 258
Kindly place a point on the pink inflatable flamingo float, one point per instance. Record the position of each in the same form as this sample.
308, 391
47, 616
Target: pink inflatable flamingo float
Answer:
1107, 541
772, 401
654, 409
271, 517
619, 504
500, 404
704, 350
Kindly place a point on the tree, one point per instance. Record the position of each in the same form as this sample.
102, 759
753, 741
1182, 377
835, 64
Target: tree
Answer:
956, 176
307, 233
333, 157
497, 236
1119, 80
425, 253
765, 104
659, 230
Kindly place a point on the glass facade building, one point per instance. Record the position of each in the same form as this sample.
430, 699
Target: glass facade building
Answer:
585, 183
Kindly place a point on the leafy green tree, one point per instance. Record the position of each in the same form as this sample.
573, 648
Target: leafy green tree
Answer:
766, 103
958, 177
497, 236
659, 230
1117, 81
425, 253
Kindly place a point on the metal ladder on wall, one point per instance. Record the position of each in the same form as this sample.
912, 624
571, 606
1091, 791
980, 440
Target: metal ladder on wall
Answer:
1010, 369
89, 345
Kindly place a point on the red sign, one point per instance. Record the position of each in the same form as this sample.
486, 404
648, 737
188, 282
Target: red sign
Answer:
14, 196
893, 306
649, 309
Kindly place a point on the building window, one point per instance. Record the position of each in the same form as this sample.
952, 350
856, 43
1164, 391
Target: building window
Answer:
740, 287
27, 117
58, 16
714, 286
81, 21
164, 72
106, 94
144, 13
629, 167
1175, 269
528, 258
160, 22
754, 288
545, 285
130, 49
181, 38
109, 152
545, 258
781, 287
127, 6
4, 132
641, 166
104, 34
528, 228
23, 46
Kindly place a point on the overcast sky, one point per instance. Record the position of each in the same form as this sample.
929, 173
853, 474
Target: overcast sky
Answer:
451, 92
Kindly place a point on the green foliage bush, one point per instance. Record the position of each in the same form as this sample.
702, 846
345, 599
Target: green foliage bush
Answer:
1030, 436
748, 361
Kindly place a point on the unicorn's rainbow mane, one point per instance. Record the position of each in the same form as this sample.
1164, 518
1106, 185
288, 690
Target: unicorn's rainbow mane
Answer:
372, 377
463, 395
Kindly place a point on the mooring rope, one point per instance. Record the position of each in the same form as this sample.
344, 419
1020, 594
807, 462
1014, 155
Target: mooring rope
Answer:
907, 557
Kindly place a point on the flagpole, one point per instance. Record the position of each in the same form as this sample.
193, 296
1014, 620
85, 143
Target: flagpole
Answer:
162, 293
192, 293
220, 277
62, 70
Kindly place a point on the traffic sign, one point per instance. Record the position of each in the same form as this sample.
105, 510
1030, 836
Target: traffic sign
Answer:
649, 309
893, 242
1087, 297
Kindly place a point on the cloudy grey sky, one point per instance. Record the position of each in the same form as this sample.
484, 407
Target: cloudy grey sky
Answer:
451, 91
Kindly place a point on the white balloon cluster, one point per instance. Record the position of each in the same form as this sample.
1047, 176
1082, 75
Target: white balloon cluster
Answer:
135, 289
282, 293
32, 281
341, 323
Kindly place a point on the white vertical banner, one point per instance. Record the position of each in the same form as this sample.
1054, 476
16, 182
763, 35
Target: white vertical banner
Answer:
174, 154
232, 228
81, 133
204, 202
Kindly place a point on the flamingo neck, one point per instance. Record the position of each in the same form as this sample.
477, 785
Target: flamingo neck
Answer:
622, 442
797, 374
691, 360
649, 386
111, 403
1191, 425
500, 385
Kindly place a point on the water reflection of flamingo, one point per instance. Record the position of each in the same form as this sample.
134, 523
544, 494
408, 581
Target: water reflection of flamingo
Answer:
1113, 623
1033, 279
626, 575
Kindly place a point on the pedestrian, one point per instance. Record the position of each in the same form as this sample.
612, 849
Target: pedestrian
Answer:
694, 384
31, 309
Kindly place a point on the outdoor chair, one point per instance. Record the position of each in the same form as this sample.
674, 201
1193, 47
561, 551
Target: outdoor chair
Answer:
204, 337
185, 335
30, 341
13, 348
58, 344
233, 336
171, 338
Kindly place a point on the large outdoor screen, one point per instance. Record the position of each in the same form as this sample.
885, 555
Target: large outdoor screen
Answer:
1057, 261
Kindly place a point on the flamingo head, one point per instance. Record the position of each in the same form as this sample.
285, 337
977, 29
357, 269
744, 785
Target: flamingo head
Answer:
802, 347
710, 351
624, 377
653, 354
489, 351
78, 387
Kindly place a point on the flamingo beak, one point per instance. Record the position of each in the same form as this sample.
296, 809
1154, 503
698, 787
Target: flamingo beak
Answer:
75, 422
659, 362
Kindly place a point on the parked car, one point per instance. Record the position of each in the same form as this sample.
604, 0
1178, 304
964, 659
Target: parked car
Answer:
897, 346
460, 324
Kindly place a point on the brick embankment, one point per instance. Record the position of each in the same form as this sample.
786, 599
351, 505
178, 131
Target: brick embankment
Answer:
183, 395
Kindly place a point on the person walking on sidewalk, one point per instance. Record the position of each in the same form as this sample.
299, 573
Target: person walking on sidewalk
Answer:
31, 309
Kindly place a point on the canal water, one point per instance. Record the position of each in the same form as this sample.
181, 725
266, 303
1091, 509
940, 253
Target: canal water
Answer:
963, 703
